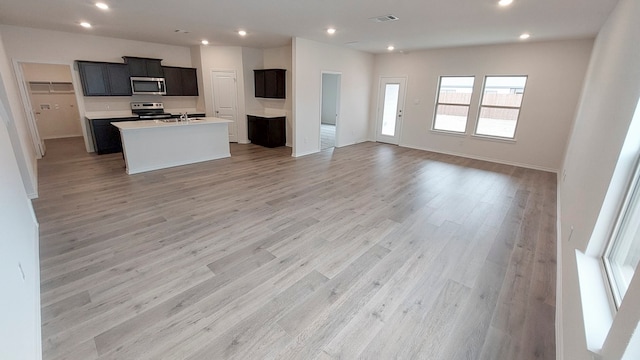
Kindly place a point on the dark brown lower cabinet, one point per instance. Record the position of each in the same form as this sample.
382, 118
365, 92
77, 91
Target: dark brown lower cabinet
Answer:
106, 137
267, 131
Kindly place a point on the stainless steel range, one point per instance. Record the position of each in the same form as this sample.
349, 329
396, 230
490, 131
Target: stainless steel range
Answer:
149, 110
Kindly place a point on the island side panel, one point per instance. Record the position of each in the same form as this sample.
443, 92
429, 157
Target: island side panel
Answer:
154, 148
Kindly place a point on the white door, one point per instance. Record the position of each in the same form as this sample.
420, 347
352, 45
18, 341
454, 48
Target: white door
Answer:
390, 109
31, 116
36, 120
224, 99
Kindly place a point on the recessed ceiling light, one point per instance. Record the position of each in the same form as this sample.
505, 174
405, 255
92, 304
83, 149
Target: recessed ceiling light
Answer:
524, 36
85, 24
390, 47
331, 31
205, 42
242, 33
505, 2
102, 6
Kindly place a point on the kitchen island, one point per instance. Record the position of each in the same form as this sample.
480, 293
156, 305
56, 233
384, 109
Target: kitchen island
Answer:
155, 144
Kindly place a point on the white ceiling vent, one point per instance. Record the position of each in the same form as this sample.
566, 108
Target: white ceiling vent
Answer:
384, 18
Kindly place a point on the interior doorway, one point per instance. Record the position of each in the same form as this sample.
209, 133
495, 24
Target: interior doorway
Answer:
50, 102
330, 109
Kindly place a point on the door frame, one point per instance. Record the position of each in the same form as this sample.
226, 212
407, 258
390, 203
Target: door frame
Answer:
28, 108
213, 98
37, 141
338, 97
380, 106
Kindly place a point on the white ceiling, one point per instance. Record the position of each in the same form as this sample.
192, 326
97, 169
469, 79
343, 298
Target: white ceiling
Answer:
270, 23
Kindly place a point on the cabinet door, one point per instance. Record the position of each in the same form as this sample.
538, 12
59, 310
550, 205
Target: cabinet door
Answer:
276, 133
257, 130
94, 78
271, 81
173, 80
119, 82
281, 82
251, 128
137, 67
154, 68
107, 137
259, 83
189, 82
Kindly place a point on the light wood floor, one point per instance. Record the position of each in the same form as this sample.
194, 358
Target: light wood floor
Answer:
327, 136
369, 251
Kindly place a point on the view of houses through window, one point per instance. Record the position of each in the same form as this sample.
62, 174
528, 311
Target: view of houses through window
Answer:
500, 106
452, 105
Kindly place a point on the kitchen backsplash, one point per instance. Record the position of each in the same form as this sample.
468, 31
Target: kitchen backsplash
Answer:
122, 103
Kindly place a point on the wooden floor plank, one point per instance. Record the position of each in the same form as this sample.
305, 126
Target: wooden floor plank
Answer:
367, 251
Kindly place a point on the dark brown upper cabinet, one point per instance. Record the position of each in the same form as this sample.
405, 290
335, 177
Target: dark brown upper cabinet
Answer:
270, 83
144, 67
180, 81
104, 79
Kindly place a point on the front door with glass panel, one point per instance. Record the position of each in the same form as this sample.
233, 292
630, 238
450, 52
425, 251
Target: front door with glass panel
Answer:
390, 109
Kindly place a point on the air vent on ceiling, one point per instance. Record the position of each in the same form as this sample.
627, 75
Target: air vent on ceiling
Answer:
384, 18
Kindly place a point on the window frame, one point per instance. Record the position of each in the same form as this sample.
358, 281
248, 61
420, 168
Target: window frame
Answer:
437, 103
632, 189
519, 108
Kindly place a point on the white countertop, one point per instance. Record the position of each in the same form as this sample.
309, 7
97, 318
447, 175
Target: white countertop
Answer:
266, 114
93, 115
149, 124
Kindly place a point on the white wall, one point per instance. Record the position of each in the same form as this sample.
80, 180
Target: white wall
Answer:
19, 264
17, 126
281, 58
224, 58
310, 58
57, 115
251, 59
55, 47
605, 112
555, 69
61, 118
47, 72
329, 98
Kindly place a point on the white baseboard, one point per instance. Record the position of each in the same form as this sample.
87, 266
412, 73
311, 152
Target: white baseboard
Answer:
482, 158
62, 136
305, 153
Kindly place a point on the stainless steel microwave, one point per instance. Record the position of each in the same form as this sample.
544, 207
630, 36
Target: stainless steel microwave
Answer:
148, 86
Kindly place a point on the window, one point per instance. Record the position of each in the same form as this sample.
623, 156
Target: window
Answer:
452, 104
623, 252
500, 106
